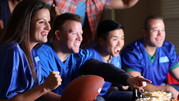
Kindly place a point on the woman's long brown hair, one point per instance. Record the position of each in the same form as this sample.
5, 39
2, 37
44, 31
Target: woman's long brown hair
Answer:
18, 27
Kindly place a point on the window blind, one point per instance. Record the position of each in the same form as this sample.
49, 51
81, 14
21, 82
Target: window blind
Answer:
170, 11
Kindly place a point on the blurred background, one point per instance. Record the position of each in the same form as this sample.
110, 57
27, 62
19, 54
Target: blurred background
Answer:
133, 19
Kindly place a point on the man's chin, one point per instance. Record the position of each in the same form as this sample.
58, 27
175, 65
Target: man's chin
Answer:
159, 45
75, 51
115, 55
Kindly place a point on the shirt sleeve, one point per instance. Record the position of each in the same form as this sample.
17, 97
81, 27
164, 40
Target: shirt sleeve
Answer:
132, 59
108, 71
15, 73
169, 50
176, 66
85, 55
45, 61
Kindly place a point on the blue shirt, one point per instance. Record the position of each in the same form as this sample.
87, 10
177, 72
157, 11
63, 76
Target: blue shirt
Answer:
135, 57
81, 10
115, 61
15, 72
69, 70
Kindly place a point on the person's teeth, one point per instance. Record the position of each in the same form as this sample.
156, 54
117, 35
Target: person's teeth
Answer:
77, 44
44, 33
117, 49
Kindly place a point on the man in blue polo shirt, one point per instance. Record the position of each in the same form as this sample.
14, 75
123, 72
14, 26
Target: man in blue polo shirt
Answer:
152, 57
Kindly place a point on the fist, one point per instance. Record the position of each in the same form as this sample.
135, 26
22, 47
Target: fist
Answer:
53, 80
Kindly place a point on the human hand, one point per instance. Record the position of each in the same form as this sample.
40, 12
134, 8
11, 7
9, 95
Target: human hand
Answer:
53, 80
175, 95
58, 11
137, 83
172, 90
55, 11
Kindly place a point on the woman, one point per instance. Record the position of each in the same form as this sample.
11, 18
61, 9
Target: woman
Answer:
20, 71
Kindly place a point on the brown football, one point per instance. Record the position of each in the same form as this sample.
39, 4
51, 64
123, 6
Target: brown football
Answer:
83, 88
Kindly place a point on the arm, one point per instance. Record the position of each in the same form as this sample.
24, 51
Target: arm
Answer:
1, 27
50, 96
108, 71
175, 73
151, 87
122, 4
1, 24
112, 74
52, 82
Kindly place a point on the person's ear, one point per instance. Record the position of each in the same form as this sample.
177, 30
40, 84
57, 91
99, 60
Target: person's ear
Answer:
57, 34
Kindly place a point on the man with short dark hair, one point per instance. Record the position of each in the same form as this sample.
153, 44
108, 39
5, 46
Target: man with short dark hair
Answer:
152, 57
109, 42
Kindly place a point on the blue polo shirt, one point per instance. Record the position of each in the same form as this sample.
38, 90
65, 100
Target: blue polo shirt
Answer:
135, 57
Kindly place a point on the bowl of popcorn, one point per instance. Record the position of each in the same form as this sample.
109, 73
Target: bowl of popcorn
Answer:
155, 96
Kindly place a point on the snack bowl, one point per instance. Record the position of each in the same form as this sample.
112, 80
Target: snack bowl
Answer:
155, 96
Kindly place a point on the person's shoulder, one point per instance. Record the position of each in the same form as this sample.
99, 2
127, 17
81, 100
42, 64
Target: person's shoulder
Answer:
133, 46
83, 51
168, 46
44, 47
10, 46
11, 49
133, 50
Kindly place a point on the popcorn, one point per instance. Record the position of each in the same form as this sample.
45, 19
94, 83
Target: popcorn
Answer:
155, 96
149, 99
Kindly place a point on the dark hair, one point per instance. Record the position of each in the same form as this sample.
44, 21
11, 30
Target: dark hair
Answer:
59, 22
106, 26
18, 26
150, 17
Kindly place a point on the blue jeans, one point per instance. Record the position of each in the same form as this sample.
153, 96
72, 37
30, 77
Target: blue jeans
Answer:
117, 96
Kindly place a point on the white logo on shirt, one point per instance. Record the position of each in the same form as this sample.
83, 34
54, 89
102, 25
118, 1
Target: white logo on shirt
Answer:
37, 59
163, 59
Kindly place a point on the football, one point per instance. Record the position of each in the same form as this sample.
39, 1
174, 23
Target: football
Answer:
83, 88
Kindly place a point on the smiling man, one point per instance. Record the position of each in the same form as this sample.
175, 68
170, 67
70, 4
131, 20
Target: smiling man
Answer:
152, 57
110, 41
